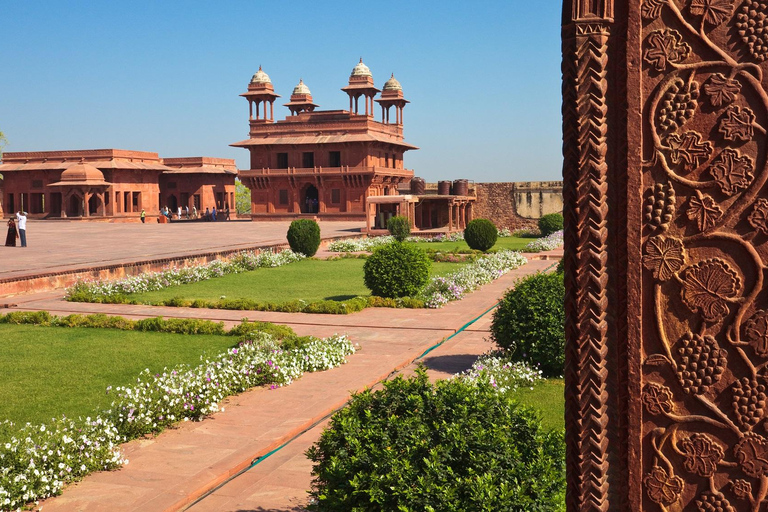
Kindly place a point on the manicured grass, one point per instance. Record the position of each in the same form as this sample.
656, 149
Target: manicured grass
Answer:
309, 280
50, 371
508, 242
548, 398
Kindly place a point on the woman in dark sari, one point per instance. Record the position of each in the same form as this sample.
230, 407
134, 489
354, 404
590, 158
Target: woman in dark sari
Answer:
10, 239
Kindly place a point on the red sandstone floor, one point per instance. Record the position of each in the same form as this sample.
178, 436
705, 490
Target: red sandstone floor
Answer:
191, 467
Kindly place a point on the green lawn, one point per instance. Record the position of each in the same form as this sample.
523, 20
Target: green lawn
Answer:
548, 398
508, 242
309, 280
50, 371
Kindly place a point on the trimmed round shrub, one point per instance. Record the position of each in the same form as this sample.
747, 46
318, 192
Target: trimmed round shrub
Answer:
448, 446
304, 237
481, 234
550, 223
399, 227
530, 321
396, 270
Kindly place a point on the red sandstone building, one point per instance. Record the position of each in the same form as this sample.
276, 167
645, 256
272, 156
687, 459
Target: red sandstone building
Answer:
112, 184
325, 164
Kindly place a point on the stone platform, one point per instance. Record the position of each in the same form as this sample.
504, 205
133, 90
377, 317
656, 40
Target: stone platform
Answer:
60, 253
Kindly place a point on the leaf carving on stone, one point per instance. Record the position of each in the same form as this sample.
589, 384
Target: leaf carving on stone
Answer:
657, 399
665, 46
664, 257
741, 489
652, 9
758, 219
732, 171
756, 332
736, 124
704, 210
707, 285
715, 12
752, 454
702, 454
688, 149
661, 487
721, 90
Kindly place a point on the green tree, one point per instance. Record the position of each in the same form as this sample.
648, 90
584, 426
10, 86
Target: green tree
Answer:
242, 197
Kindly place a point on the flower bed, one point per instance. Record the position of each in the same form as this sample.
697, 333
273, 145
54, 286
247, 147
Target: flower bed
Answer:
368, 244
110, 291
547, 243
441, 290
494, 368
36, 461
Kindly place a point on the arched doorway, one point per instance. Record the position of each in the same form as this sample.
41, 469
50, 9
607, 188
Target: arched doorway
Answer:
172, 203
309, 200
75, 206
93, 205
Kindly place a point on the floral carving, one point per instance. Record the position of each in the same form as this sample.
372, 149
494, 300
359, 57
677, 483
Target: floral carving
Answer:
701, 454
732, 171
758, 219
665, 46
750, 23
662, 488
722, 90
678, 104
736, 124
701, 363
660, 206
709, 501
756, 330
688, 149
748, 402
752, 454
657, 398
741, 489
652, 9
664, 257
708, 285
714, 11
704, 210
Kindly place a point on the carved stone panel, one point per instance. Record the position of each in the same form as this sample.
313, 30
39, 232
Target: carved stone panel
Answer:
665, 125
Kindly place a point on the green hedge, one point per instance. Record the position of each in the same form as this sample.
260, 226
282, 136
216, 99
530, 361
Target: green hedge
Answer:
550, 223
530, 321
445, 447
481, 234
304, 237
396, 270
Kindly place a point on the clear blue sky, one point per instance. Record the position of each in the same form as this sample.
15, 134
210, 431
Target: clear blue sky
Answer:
483, 77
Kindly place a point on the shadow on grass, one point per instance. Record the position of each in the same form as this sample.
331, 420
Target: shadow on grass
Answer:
450, 364
340, 298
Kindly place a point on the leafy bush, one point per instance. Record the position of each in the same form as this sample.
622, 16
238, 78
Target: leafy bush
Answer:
530, 322
399, 227
550, 223
396, 270
481, 234
560, 266
450, 446
304, 237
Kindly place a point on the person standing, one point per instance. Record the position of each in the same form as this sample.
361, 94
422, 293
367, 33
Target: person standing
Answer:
143, 214
10, 239
186, 210
21, 217
213, 214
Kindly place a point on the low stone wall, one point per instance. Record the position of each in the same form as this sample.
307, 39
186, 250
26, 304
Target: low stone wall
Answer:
517, 205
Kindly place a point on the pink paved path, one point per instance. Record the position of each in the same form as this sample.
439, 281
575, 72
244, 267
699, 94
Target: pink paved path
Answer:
172, 470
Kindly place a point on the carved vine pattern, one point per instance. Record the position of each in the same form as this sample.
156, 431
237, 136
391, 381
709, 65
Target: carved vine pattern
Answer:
706, 380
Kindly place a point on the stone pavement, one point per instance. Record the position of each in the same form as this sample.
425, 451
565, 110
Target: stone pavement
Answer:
180, 466
68, 245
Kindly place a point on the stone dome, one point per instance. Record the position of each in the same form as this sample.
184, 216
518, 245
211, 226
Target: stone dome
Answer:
392, 84
301, 88
260, 77
361, 70
82, 173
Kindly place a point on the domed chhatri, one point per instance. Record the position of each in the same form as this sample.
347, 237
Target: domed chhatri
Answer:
361, 70
301, 88
392, 84
261, 77
82, 173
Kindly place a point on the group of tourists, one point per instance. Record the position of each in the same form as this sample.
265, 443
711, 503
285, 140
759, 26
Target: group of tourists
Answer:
209, 215
15, 232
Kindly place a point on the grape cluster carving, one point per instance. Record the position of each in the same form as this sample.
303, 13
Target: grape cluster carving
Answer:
713, 502
660, 206
749, 402
701, 363
752, 26
679, 104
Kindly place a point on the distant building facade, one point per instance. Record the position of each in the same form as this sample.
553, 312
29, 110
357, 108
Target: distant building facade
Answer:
112, 184
324, 164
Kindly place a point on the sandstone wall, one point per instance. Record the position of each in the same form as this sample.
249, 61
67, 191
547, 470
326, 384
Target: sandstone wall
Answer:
517, 205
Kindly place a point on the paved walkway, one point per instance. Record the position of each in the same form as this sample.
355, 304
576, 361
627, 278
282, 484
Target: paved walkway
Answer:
68, 245
178, 467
